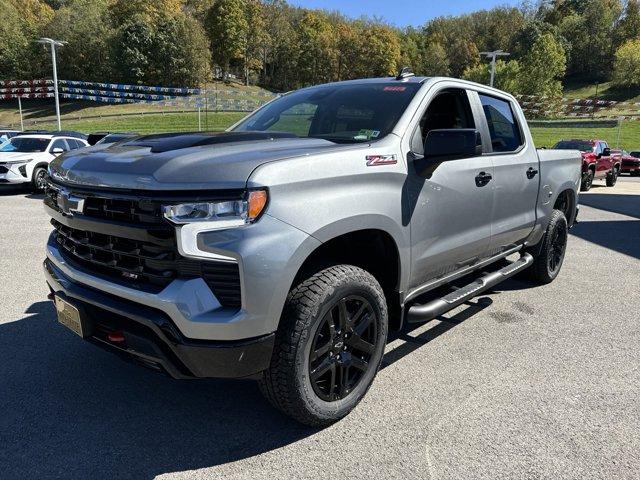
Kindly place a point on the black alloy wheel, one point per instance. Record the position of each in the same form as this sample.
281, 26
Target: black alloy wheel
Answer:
557, 247
342, 348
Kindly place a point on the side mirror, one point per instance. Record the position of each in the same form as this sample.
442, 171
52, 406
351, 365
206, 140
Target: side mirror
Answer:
57, 150
606, 152
454, 144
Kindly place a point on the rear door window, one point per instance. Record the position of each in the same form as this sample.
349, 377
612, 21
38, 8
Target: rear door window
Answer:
502, 123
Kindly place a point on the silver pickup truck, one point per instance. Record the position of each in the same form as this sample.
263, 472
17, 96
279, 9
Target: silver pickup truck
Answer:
286, 248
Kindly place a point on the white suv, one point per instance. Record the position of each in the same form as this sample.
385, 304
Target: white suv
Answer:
25, 158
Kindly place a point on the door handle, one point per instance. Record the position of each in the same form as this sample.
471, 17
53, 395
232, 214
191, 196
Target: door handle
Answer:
532, 172
482, 179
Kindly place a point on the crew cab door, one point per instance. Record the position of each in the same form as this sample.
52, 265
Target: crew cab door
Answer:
516, 172
603, 162
448, 210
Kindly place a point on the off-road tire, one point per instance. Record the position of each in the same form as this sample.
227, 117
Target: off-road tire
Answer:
541, 271
286, 383
612, 177
587, 182
39, 173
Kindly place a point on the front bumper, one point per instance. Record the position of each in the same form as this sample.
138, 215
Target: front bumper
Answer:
9, 173
152, 340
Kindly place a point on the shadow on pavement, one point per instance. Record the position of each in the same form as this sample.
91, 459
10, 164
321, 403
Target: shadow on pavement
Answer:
623, 236
623, 204
70, 410
447, 322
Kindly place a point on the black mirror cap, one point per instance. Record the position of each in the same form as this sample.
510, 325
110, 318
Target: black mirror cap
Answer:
606, 152
452, 144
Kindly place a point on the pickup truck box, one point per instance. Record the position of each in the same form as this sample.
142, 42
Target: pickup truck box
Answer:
598, 161
285, 248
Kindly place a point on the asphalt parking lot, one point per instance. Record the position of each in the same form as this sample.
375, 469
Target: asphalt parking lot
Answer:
525, 382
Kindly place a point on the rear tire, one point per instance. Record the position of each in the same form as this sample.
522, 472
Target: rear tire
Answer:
612, 177
587, 182
548, 262
328, 347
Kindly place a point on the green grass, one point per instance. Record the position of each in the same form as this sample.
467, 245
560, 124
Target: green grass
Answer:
629, 135
152, 123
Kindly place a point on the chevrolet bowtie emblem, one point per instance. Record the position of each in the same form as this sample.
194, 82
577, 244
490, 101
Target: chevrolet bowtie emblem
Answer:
70, 204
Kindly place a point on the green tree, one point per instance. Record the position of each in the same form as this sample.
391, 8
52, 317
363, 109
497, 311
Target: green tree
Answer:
590, 31
629, 26
180, 52
227, 27
626, 67
84, 25
507, 76
435, 61
543, 68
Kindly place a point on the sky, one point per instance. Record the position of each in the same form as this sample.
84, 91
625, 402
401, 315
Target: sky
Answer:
403, 12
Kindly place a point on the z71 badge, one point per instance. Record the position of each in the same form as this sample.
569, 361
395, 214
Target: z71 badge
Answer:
375, 160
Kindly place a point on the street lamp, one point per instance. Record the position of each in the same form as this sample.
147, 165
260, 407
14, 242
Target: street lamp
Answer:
54, 44
493, 55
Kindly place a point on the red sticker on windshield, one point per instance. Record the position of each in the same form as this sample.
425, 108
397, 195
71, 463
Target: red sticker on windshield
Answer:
395, 89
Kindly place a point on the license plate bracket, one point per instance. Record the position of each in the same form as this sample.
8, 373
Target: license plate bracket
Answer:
71, 317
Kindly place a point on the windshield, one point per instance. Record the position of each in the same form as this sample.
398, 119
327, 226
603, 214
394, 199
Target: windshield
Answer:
574, 145
25, 145
339, 113
114, 138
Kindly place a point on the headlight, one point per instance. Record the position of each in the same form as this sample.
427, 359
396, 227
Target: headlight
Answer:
229, 213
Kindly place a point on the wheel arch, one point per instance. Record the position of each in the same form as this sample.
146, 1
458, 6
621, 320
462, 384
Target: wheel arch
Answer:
372, 249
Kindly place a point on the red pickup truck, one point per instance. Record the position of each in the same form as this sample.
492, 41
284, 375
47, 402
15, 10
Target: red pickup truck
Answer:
598, 161
630, 162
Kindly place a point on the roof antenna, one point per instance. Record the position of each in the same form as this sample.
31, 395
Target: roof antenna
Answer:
406, 72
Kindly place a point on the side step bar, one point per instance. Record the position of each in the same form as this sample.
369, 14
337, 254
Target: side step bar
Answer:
435, 308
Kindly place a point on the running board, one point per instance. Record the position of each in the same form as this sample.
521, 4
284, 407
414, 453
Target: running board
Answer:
435, 308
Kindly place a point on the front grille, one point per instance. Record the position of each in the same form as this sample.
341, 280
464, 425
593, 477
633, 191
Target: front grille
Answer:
148, 265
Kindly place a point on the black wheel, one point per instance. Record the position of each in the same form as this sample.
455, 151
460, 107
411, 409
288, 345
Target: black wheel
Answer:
548, 262
612, 177
39, 179
587, 181
329, 345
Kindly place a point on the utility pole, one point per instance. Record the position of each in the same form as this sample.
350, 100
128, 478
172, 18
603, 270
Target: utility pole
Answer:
20, 109
54, 44
493, 55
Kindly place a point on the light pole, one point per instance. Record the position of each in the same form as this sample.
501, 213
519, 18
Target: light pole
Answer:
493, 55
54, 44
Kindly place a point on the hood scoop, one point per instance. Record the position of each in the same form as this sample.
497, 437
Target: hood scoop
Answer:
167, 142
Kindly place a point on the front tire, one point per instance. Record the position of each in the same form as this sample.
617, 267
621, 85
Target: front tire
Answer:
548, 261
612, 177
329, 345
39, 179
587, 181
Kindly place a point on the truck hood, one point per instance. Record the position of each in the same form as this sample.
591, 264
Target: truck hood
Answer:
202, 161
